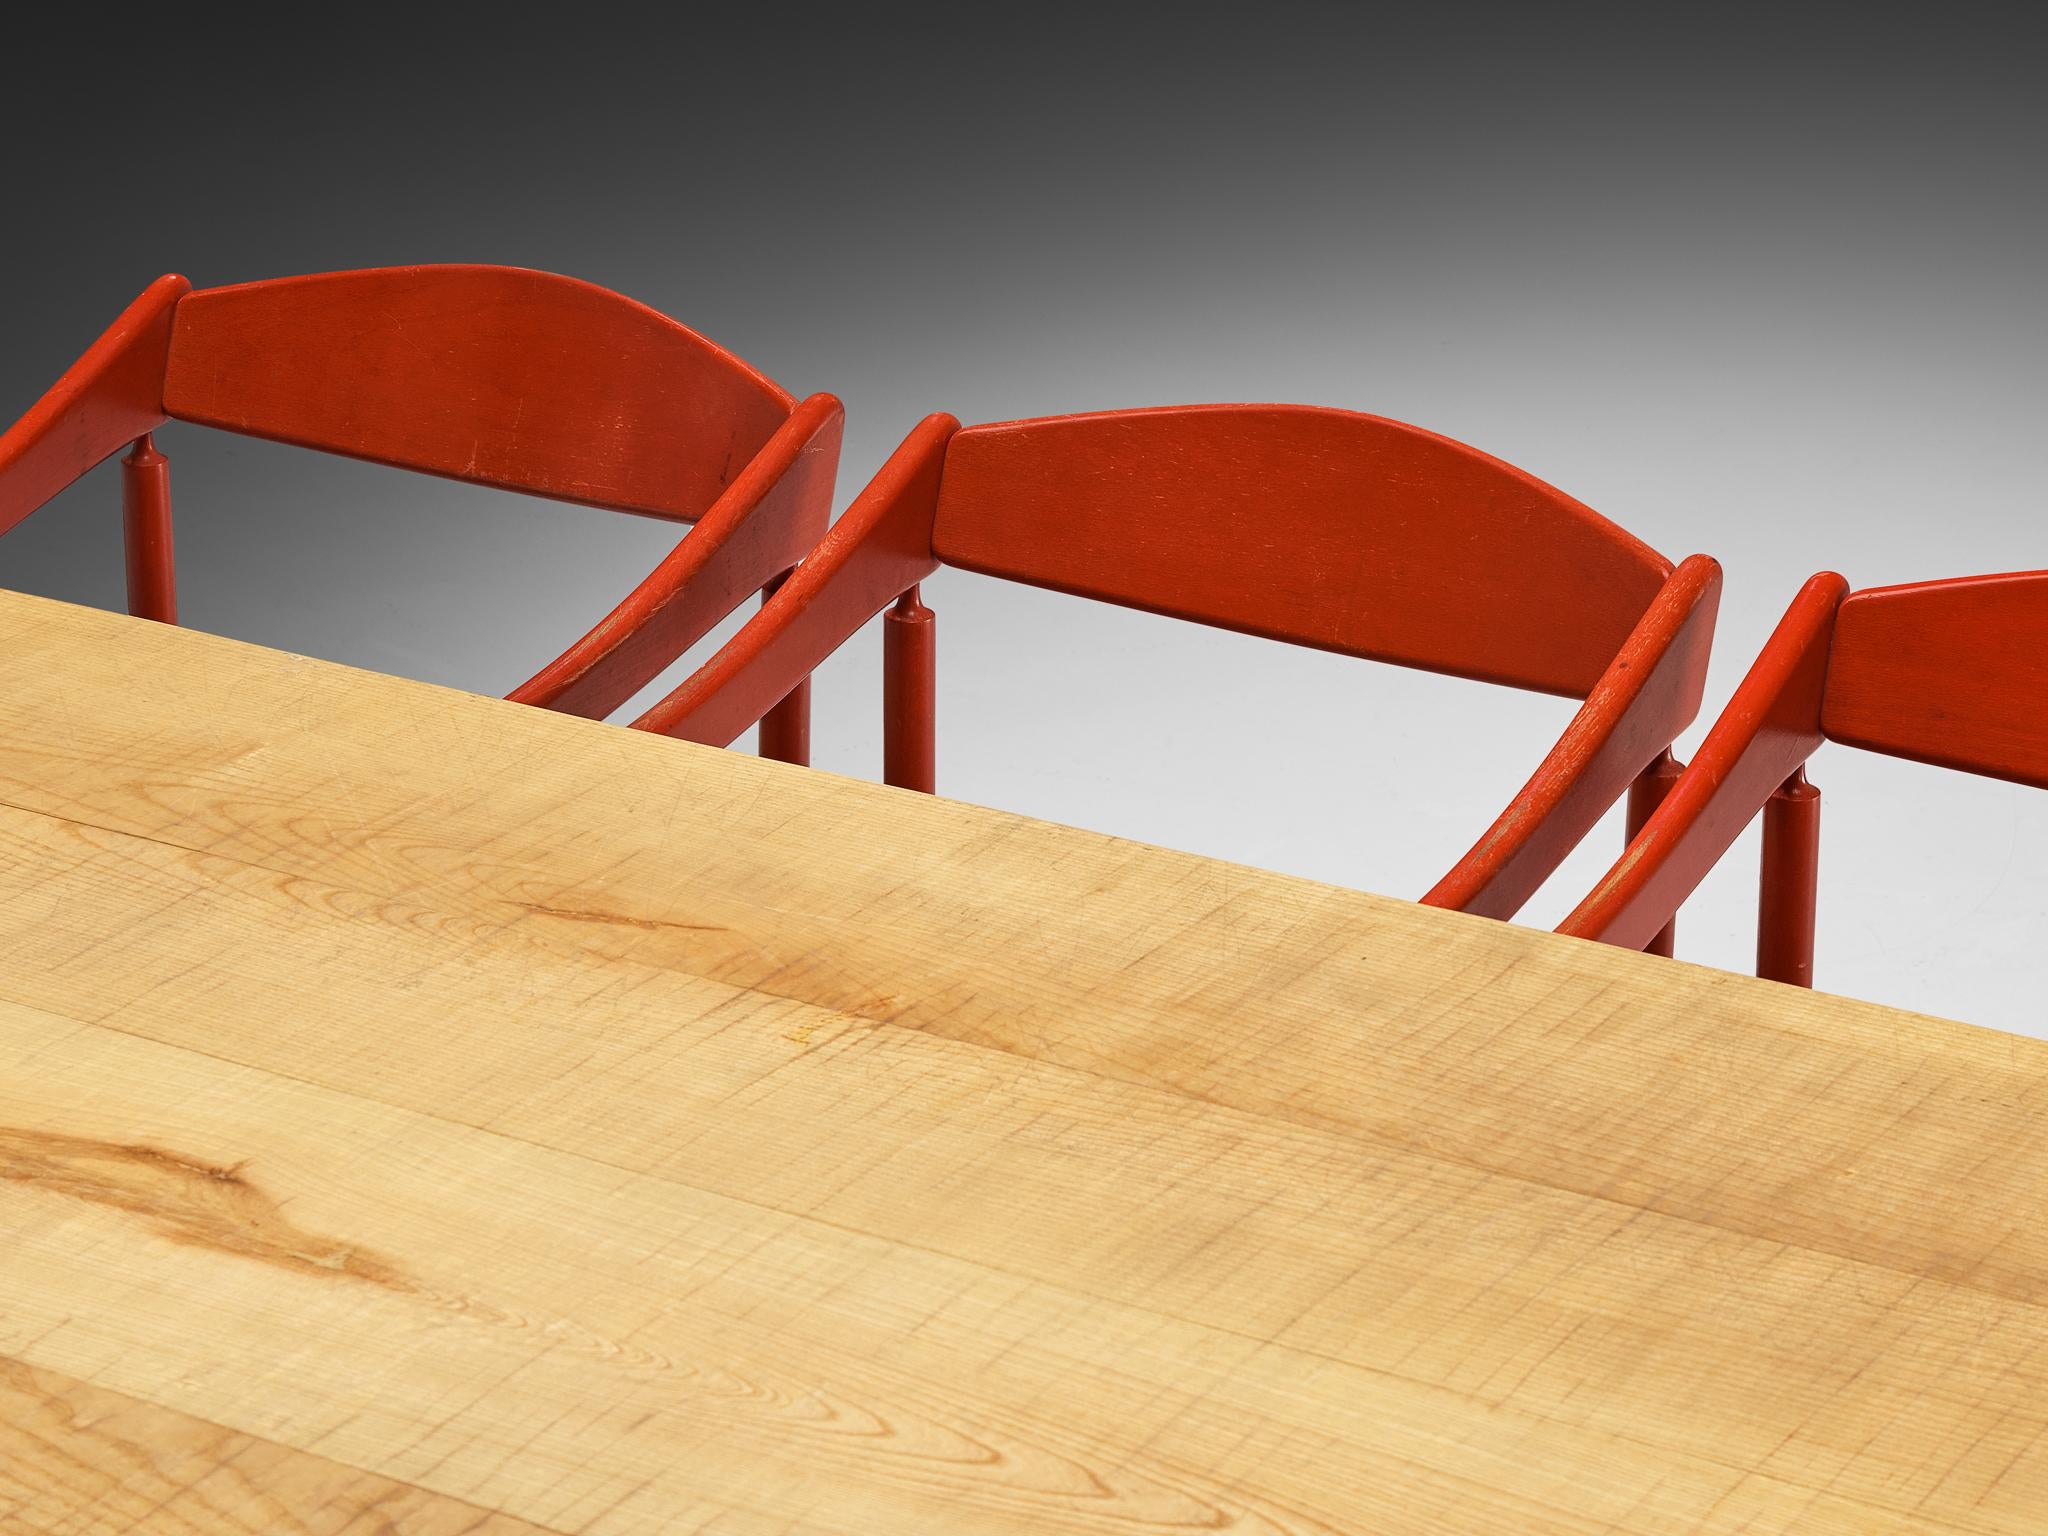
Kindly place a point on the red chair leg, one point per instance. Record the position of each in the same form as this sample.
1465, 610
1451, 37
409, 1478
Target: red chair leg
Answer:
909, 688
1644, 796
146, 529
1789, 883
786, 729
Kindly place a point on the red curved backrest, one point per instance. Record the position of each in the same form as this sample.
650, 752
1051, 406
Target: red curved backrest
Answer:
1320, 527
521, 380
1953, 673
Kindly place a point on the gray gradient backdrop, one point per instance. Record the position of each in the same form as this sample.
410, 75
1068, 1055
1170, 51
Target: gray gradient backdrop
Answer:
1764, 286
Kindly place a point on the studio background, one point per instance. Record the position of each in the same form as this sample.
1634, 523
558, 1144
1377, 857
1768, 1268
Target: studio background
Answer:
1760, 285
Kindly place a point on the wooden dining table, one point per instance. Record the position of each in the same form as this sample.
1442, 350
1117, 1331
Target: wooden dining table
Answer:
426, 1114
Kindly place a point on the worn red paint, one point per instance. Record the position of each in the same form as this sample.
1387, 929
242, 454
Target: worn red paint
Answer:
1319, 527
491, 375
1953, 673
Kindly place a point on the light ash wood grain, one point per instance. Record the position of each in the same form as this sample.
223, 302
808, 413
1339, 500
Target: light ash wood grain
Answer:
84, 1461
414, 1095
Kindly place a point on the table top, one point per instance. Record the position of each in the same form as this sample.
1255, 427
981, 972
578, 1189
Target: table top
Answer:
425, 1114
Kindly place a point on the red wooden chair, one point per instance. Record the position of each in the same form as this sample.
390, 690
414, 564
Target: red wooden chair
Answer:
491, 375
1953, 673
1326, 528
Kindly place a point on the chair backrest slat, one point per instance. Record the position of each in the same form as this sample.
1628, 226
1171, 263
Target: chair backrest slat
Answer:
521, 380
1326, 528
1953, 673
